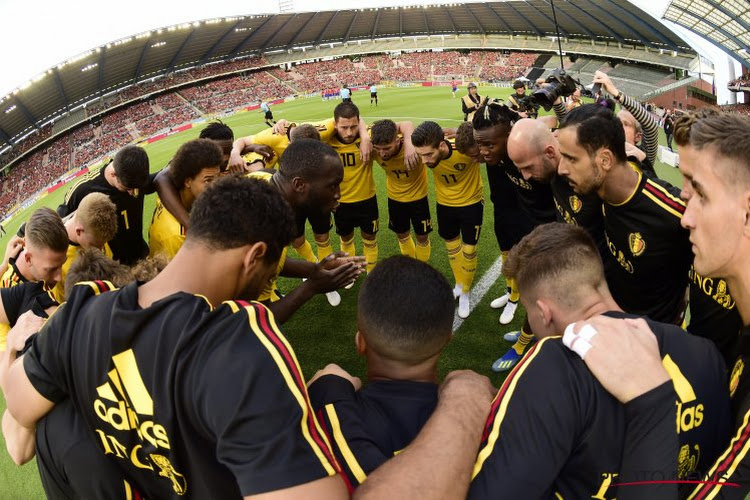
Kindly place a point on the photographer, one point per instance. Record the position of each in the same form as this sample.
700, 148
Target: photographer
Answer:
514, 101
471, 102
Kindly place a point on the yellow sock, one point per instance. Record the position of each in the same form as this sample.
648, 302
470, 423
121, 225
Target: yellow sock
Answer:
523, 342
305, 251
324, 248
423, 250
469, 265
348, 247
407, 247
455, 258
370, 249
514, 294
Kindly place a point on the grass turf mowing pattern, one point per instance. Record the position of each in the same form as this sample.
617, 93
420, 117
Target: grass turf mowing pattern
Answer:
319, 333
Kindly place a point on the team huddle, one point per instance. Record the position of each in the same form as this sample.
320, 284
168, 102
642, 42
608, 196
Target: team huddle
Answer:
159, 369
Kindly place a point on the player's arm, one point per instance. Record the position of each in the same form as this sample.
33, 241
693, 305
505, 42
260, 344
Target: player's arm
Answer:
243, 146
19, 440
332, 488
438, 463
170, 197
12, 249
365, 144
411, 158
150, 186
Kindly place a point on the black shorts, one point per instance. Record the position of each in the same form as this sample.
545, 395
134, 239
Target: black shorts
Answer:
321, 224
402, 216
465, 221
346, 99
269, 115
360, 214
373, 95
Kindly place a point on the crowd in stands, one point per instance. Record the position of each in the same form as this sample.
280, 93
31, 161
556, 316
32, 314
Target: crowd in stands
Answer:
234, 92
743, 81
740, 109
500, 67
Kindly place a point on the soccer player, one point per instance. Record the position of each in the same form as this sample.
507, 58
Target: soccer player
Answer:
577, 452
454, 87
649, 252
492, 126
373, 94
458, 187
126, 181
346, 94
268, 116
471, 102
216, 397
195, 165
402, 346
407, 191
92, 225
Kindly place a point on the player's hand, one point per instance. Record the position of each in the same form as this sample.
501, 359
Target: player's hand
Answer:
26, 325
623, 354
411, 157
365, 150
280, 127
635, 151
236, 163
334, 369
606, 81
324, 280
338, 259
13, 248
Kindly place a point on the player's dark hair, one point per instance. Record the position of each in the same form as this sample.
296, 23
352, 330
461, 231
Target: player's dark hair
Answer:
729, 136
345, 110
236, 211
555, 255
304, 157
91, 265
304, 131
492, 113
405, 310
217, 131
383, 132
597, 127
465, 138
45, 229
427, 134
132, 167
684, 124
192, 157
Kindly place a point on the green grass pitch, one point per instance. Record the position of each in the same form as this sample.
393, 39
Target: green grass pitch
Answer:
319, 333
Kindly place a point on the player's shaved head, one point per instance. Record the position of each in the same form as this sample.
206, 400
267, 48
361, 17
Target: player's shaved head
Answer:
557, 261
304, 157
304, 131
405, 311
533, 149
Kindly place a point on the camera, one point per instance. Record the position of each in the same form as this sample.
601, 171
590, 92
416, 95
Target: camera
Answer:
559, 84
529, 105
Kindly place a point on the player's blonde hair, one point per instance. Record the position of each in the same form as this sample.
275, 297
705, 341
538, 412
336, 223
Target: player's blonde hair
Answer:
98, 216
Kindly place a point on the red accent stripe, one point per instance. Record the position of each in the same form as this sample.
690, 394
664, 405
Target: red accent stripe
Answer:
659, 194
265, 325
322, 420
501, 393
102, 286
722, 468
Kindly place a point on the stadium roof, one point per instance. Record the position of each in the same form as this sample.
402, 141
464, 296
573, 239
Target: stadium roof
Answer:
726, 23
158, 52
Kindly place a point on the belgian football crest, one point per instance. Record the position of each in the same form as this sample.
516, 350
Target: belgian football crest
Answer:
734, 380
637, 244
459, 166
575, 203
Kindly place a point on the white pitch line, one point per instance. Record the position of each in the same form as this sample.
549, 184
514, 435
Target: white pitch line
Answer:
479, 290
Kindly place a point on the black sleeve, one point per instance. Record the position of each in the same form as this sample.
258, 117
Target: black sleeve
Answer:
265, 430
43, 361
335, 404
540, 420
13, 300
150, 186
651, 444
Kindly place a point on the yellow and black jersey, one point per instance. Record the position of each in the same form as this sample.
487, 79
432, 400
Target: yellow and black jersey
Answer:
166, 235
148, 380
458, 182
277, 142
577, 450
713, 313
27, 296
73, 249
358, 183
12, 276
580, 210
534, 197
369, 426
270, 292
403, 185
649, 251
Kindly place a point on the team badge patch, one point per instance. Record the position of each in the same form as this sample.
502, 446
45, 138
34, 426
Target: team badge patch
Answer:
459, 166
575, 203
734, 380
637, 244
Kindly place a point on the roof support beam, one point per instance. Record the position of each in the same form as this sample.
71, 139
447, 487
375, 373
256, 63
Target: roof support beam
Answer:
375, 26
476, 20
210, 51
595, 19
141, 59
58, 82
573, 20
426, 21
177, 54
619, 20
721, 30
644, 24
498, 18
351, 26
248, 38
729, 14
100, 78
5, 137
26, 113
531, 25
450, 18
301, 31
551, 21
401, 21
273, 36
325, 28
